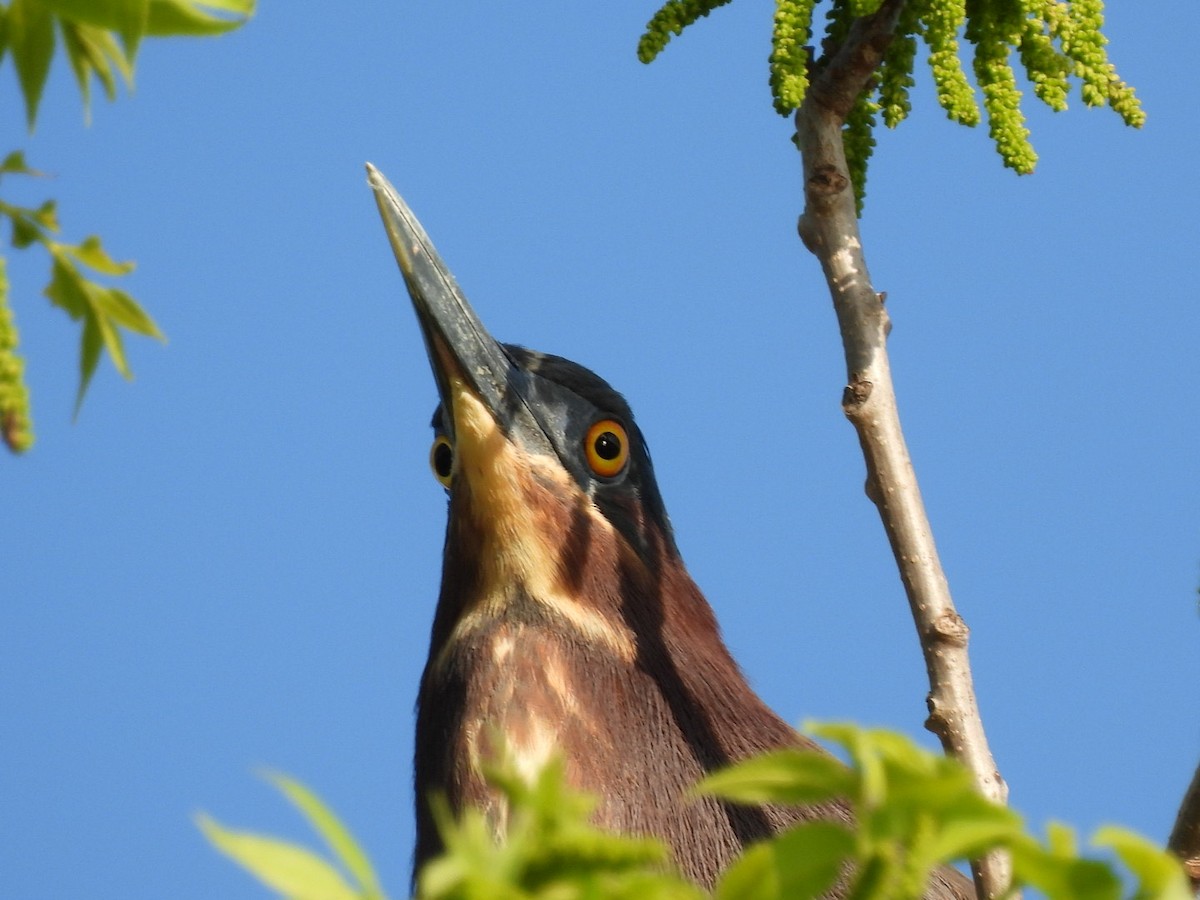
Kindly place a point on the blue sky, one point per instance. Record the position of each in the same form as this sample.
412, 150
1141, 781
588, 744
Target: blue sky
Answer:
231, 563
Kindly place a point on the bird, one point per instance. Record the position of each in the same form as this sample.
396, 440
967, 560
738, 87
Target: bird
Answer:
567, 623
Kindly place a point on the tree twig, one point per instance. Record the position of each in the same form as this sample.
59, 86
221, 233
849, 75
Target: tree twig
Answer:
829, 229
1185, 836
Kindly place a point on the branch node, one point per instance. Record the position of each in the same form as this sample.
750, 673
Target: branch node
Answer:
810, 235
871, 489
826, 182
855, 394
949, 629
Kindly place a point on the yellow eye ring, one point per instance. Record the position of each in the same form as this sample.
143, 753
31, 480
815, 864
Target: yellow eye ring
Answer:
441, 459
607, 448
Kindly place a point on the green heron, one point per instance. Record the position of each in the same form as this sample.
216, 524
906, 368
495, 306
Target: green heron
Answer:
567, 622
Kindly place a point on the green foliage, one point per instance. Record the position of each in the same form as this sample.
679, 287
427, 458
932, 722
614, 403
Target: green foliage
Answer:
858, 140
995, 28
550, 850
103, 311
1054, 41
294, 871
674, 16
896, 70
915, 811
939, 24
100, 39
15, 427
789, 53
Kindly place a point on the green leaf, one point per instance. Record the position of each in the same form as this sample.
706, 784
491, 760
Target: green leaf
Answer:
1159, 873
123, 310
104, 311
46, 215
783, 776
24, 232
109, 332
90, 344
66, 288
14, 164
188, 17
30, 35
93, 255
865, 754
971, 829
237, 7
332, 831
802, 862
93, 51
1061, 875
291, 870
126, 17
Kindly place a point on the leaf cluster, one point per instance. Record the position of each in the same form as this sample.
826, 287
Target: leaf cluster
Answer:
294, 871
102, 311
16, 428
100, 39
914, 811
550, 851
1056, 43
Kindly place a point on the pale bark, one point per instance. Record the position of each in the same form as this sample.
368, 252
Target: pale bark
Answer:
829, 228
1185, 836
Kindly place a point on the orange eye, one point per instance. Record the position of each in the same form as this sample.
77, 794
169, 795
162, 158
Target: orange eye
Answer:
607, 448
441, 459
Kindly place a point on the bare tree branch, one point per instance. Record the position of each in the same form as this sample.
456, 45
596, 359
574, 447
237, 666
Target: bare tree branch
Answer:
829, 229
1185, 836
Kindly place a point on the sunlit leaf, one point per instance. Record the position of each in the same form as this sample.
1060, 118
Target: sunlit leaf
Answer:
66, 288
92, 254
126, 17
94, 51
1061, 875
970, 830
123, 310
190, 17
802, 862
236, 7
15, 164
865, 754
109, 333
332, 831
1061, 839
90, 344
29, 30
1160, 874
24, 232
46, 215
287, 868
784, 776
104, 312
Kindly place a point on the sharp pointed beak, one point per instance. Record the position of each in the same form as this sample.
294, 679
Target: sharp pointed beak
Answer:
454, 336
458, 344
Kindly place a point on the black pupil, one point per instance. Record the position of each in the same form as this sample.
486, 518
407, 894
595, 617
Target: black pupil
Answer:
608, 445
443, 459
